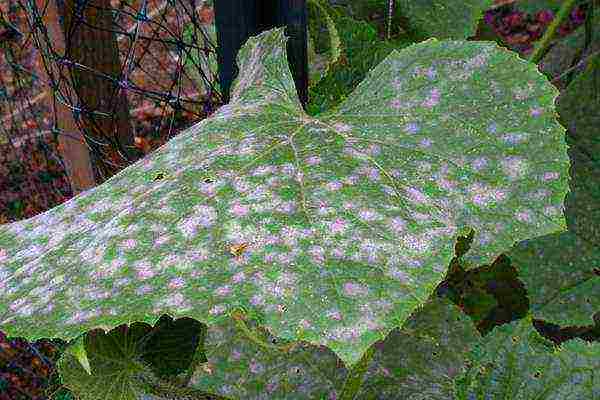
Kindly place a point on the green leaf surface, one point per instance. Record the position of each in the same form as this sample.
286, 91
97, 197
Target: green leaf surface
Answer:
118, 363
515, 362
407, 366
112, 358
444, 19
347, 222
561, 55
363, 51
421, 358
579, 109
319, 64
569, 296
240, 368
195, 60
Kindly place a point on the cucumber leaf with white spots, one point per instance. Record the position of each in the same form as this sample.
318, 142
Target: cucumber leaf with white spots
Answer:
515, 362
331, 229
571, 296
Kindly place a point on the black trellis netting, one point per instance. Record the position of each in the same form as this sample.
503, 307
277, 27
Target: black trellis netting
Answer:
151, 50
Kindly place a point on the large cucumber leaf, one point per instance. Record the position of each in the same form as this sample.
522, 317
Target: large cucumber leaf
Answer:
330, 230
515, 362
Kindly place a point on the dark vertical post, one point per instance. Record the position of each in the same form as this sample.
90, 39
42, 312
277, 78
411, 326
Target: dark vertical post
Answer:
237, 20
293, 15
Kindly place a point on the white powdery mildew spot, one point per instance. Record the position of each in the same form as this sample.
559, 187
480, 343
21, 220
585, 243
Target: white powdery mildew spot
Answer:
374, 150
81, 317
400, 274
479, 163
412, 128
94, 254
370, 172
188, 227
425, 166
416, 244
205, 215
442, 181
550, 176
522, 93
142, 290
421, 217
57, 237
324, 210
21, 307
341, 127
239, 210
218, 309
263, 170
433, 98
524, 216
398, 82
92, 292
129, 244
313, 160
337, 226
483, 195
484, 238
238, 277
353, 332
208, 189
287, 207
431, 73
398, 104
289, 236
223, 291
338, 253
176, 301
355, 289
334, 314
108, 270
417, 72
317, 253
416, 196
144, 269
369, 215
551, 211
334, 185
169, 260
397, 224
535, 111
514, 138
197, 254
515, 167
370, 249
176, 283
425, 143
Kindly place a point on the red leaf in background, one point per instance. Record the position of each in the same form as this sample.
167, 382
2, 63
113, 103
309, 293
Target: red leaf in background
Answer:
142, 144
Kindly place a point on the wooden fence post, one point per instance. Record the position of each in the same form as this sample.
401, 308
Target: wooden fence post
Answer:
73, 149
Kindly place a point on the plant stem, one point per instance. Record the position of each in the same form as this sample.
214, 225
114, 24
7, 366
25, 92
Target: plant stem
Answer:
542, 47
355, 376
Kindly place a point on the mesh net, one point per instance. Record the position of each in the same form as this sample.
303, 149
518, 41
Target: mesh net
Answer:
118, 77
